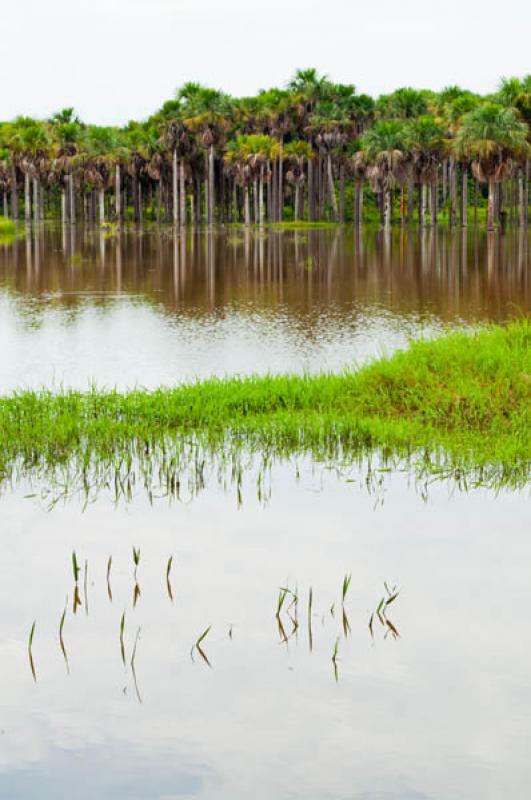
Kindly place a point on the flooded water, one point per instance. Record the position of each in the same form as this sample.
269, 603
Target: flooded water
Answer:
77, 306
415, 684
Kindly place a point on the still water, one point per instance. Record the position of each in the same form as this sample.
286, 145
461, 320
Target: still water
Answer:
77, 306
425, 696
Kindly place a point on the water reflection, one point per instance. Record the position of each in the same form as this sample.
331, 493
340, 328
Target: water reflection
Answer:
78, 304
286, 618
464, 273
269, 720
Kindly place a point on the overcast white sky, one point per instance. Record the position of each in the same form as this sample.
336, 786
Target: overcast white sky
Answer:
116, 60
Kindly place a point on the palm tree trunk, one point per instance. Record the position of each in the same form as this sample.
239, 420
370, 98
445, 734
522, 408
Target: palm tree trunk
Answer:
490, 208
320, 188
221, 198
358, 203
101, 206
182, 193
402, 207
387, 208
521, 204
261, 196
500, 212
159, 199
311, 198
476, 200
198, 193
269, 195
135, 199
35, 201
342, 193
452, 218
255, 201
444, 184
175, 186
246, 205
464, 195
410, 201
211, 185
280, 186
296, 203
14, 194
233, 205
6, 210
331, 187
27, 199
274, 191
63, 207
117, 194
526, 191
435, 202
71, 199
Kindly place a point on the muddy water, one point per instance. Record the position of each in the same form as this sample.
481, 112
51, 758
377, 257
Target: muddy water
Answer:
428, 696
77, 306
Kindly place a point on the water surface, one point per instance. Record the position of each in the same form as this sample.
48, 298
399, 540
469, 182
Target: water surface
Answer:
435, 704
79, 305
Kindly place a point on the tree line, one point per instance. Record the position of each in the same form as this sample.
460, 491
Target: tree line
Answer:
315, 151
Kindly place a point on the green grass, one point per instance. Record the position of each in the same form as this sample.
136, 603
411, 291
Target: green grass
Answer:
460, 402
8, 228
292, 225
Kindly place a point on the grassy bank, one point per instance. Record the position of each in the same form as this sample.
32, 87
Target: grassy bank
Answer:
464, 396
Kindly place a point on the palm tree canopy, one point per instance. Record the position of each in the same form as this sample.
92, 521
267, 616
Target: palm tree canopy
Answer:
403, 103
385, 135
491, 130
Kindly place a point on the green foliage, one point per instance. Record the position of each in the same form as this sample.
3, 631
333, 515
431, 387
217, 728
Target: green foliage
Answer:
384, 135
492, 133
403, 104
7, 228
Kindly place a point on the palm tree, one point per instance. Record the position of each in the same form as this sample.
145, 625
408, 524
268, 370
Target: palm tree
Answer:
424, 137
330, 129
28, 142
66, 130
493, 137
383, 146
100, 147
248, 159
403, 103
206, 112
298, 154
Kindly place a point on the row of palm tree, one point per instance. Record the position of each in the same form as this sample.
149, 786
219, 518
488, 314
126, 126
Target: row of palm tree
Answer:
314, 151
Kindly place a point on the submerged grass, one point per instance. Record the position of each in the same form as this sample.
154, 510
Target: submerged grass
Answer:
461, 401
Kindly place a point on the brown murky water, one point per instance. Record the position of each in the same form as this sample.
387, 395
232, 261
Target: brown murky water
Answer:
427, 697
77, 306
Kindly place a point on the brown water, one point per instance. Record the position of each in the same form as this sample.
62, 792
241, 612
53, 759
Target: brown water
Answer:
77, 306
435, 704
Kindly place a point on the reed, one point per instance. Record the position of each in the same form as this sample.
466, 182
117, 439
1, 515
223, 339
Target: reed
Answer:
168, 582
30, 650
109, 589
122, 643
133, 665
61, 637
197, 646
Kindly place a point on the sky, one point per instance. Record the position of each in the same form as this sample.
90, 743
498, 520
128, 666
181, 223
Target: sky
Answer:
115, 60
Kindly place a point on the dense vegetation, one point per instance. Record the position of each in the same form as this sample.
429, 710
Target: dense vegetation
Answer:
460, 402
312, 151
